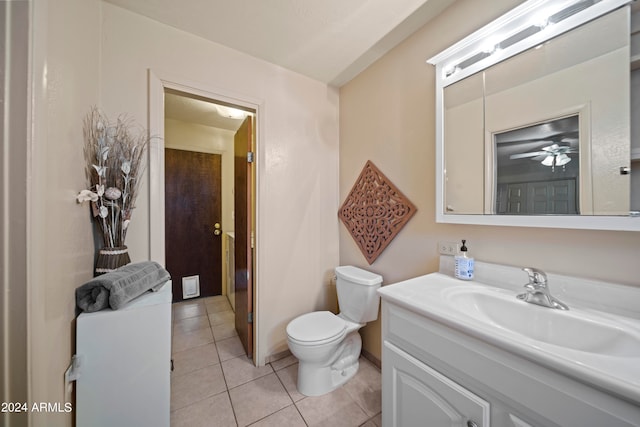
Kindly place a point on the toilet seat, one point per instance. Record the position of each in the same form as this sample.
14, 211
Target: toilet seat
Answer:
316, 328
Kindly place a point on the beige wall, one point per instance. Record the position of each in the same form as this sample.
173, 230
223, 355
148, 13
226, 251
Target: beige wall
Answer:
387, 116
297, 235
65, 84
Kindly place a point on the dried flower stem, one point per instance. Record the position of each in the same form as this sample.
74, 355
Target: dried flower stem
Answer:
114, 154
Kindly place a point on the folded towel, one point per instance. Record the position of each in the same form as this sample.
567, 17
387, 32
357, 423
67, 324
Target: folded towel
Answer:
116, 288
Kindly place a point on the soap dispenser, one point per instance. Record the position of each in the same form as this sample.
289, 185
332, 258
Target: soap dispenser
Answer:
464, 264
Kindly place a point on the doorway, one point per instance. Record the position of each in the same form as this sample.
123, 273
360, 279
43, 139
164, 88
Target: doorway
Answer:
199, 127
193, 206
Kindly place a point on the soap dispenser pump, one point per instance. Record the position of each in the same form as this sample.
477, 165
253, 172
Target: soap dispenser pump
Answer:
464, 264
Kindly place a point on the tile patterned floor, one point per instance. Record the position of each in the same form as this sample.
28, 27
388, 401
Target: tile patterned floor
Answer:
214, 384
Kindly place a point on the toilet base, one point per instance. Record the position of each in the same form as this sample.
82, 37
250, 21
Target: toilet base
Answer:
317, 379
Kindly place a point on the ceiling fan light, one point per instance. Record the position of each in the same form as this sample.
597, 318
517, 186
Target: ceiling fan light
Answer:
230, 112
548, 161
562, 160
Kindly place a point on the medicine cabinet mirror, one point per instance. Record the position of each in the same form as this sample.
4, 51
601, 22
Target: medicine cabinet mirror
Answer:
534, 119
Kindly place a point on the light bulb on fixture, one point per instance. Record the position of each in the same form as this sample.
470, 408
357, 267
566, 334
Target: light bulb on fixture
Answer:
540, 20
491, 46
543, 23
548, 161
451, 70
230, 112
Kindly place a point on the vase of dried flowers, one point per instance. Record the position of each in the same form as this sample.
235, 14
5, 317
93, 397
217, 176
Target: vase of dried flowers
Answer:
114, 153
111, 258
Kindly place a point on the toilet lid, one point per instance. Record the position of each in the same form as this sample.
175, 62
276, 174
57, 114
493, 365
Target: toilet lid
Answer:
316, 326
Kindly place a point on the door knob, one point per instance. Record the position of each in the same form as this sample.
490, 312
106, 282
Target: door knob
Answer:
216, 232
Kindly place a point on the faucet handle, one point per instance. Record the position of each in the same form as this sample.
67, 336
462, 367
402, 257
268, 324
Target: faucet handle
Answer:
536, 277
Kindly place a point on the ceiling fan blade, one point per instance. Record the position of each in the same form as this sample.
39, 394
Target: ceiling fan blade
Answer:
525, 155
555, 149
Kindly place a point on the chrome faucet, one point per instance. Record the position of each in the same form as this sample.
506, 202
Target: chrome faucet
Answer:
538, 290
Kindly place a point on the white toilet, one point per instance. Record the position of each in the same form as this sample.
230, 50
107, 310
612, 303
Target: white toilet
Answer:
328, 346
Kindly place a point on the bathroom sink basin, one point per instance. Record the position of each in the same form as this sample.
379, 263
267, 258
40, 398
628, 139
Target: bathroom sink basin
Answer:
574, 329
596, 341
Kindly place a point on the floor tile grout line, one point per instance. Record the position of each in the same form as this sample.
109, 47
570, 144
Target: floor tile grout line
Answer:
281, 409
273, 371
174, 375
233, 408
192, 348
188, 332
289, 394
199, 400
252, 379
224, 377
285, 388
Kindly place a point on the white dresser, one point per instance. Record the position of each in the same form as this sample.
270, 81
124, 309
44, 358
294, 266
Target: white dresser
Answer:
125, 364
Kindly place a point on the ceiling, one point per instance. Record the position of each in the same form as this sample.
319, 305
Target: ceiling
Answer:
328, 40
192, 109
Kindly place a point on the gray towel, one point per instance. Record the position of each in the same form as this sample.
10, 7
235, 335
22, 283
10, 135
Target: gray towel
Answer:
118, 287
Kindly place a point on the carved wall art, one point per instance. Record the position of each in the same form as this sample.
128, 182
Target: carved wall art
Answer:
374, 212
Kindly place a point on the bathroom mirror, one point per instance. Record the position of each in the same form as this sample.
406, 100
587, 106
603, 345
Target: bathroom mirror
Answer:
533, 128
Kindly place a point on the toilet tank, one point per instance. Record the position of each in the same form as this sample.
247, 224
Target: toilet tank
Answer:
357, 293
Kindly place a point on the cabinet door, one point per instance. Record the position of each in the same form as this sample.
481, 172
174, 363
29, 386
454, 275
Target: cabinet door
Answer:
414, 394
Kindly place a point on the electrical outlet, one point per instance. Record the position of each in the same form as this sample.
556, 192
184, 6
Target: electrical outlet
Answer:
448, 248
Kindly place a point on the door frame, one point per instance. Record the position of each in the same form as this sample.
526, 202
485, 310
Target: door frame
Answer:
158, 82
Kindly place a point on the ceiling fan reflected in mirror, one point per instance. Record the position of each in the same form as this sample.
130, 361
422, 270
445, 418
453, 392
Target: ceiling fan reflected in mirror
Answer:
551, 155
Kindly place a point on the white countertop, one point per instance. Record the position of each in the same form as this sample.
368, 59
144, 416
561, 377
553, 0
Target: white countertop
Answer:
617, 373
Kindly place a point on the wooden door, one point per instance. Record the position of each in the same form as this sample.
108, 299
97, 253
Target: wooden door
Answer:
553, 197
192, 210
243, 227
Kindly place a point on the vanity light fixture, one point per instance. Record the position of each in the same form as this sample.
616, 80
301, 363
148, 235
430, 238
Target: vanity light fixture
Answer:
525, 27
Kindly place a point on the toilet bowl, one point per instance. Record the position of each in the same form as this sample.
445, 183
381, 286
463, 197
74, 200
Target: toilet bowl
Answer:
328, 346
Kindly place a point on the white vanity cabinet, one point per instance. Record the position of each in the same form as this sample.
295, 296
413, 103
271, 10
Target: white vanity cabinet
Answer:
436, 375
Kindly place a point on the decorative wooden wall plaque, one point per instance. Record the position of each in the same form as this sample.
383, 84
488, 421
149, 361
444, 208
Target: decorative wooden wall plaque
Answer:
374, 212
